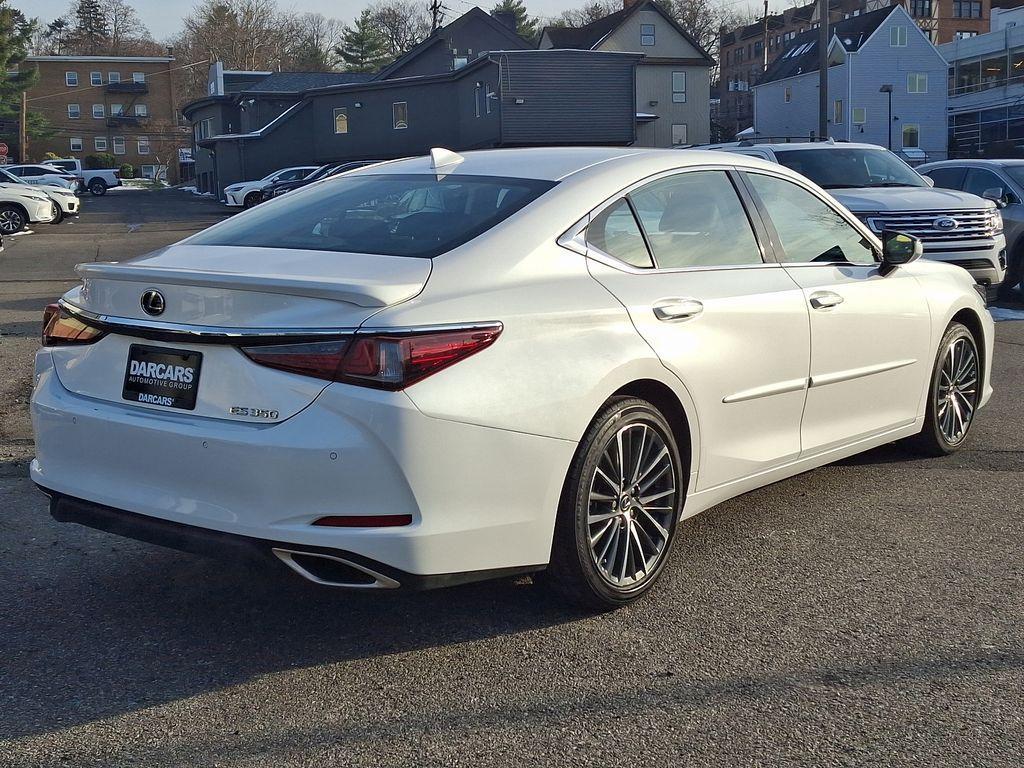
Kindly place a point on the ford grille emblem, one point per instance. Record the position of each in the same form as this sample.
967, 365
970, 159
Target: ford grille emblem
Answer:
945, 223
153, 302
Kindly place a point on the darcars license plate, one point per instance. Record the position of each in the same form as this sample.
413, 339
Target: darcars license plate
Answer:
161, 376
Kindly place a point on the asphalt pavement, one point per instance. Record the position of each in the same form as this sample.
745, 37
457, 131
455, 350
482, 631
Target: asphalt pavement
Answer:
866, 613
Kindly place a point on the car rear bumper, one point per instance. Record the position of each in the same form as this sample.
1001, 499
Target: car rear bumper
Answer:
480, 498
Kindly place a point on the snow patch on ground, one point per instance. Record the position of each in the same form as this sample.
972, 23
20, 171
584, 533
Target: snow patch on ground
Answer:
23, 232
1001, 313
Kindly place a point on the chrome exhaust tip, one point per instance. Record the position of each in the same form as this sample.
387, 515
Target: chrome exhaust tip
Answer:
332, 571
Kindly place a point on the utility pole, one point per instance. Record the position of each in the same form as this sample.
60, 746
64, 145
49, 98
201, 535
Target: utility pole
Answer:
764, 44
23, 129
823, 69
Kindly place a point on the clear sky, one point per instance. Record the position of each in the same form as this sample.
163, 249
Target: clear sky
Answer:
163, 17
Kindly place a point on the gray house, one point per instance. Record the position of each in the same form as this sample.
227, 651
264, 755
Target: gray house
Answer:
866, 53
673, 81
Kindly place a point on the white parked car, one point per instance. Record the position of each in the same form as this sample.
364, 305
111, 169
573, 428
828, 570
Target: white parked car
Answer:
65, 198
21, 205
246, 194
44, 175
886, 193
453, 368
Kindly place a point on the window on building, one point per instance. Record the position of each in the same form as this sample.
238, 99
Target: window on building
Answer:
679, 134
859, 115
71, 79
141, 110
138, 77
113, 77
204, 129
1016, 70
477, 99
911, 136
341, 120
143, 145
993, 71
966, 9
678, 87
400, 115
921, 9
837, 112
897, 36
787, 94
99, 143
963, 34
148, 171
116, 109
646, 34
459, 62
917, 82
96, 78
488, 95
118, 145
98, 111
76, 145
74, 111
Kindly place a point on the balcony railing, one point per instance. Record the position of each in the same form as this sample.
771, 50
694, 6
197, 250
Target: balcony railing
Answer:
120, 121
128, 87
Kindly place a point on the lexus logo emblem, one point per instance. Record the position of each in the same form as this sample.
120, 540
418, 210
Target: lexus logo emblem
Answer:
945, 223
153, 302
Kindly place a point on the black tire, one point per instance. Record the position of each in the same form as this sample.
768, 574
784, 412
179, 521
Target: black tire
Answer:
1014, 276
58, 214
98, 187
574, 571
933, 440
252, 199
12, 219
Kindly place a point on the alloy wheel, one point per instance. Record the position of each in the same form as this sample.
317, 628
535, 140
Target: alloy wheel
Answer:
11, 221
631, 505
956, 395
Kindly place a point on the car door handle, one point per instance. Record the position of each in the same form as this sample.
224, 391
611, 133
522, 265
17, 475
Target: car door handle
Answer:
825, 300
669, 310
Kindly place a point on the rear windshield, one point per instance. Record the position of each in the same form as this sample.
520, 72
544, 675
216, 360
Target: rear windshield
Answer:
65, 166
391, 215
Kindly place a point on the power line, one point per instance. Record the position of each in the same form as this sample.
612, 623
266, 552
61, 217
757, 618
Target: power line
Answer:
79, 88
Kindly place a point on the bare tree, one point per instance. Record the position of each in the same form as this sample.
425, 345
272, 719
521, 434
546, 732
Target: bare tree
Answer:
312, 39
587, 14
402, 23
126, 34
165, 139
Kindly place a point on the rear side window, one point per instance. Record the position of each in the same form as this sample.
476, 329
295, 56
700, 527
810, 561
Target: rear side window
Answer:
615, 232
392, 215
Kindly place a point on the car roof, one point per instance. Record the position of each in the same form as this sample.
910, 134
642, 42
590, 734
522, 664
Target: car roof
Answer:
801, 145
981, 162
558, 163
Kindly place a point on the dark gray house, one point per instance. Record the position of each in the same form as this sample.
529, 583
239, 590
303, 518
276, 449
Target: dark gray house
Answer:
456, 89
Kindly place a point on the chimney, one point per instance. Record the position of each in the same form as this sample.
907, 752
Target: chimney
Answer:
505, 17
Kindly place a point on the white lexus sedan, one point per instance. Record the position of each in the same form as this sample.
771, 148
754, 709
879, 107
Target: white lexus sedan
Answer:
246, 194
452, 368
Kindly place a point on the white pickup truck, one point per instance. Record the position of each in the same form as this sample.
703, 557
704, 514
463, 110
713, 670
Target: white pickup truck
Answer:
96, 181
886, 193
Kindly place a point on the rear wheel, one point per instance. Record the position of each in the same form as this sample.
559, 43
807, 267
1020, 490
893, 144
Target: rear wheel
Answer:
253, 198
98, 187
12, 219
619, 508
953, 394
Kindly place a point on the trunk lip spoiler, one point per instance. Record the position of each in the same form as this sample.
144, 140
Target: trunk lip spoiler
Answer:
159, 330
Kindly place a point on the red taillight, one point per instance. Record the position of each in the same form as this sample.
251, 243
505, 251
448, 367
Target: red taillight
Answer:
364, 521
384, 361
60, 328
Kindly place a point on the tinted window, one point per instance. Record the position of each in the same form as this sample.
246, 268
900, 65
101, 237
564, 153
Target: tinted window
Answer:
838, 167
947, 178
391, 215
979, 179
809, 229
616, 232
696, 220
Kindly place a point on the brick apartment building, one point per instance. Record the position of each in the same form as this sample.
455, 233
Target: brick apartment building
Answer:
746, 51
121, 105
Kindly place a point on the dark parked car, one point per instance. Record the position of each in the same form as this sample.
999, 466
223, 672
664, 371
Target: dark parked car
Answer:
282, 187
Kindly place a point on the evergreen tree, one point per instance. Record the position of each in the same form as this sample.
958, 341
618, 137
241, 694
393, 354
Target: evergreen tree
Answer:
526, 25
15, 37
362, 47
56, 36
91, 31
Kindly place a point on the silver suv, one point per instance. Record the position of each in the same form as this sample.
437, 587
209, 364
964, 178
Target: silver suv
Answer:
886, 193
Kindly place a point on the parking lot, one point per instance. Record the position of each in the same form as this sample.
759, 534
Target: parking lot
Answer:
867, 613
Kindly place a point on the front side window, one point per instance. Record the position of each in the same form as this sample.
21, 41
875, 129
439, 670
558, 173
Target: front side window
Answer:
911, 136
695, 220
917, 82
341, 120
400, 115
76, 145
74, 111
647, 34
947, 177
615, 231
678, 87
980, 180
810, 231
897, 37
96, 78
415, 215
71, 79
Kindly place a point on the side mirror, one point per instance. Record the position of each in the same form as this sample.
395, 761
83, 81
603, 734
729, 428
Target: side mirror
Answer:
899, 249
929, 181
996, 195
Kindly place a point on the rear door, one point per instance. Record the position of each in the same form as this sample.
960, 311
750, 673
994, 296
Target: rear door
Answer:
680, 252
870, 334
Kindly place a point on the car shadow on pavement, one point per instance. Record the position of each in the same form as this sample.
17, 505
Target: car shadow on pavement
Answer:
92, 625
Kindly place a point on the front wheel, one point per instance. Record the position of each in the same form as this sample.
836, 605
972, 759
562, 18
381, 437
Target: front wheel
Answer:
252, 199
98, 187
58, 214
953, 394
619, 508
12, 219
